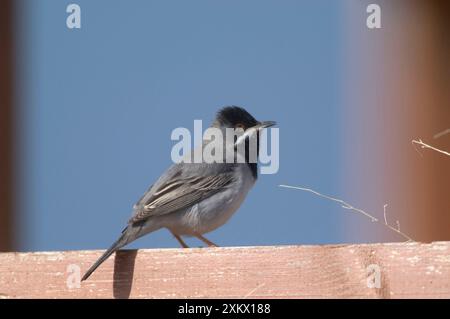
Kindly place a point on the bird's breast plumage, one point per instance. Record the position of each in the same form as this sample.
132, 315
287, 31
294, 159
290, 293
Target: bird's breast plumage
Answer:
214, 211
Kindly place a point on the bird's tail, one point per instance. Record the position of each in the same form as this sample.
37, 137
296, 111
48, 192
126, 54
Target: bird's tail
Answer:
119, 243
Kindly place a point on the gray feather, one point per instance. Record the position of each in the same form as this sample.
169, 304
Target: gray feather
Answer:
181, 188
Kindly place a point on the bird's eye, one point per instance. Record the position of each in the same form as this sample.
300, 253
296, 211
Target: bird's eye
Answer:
240, 125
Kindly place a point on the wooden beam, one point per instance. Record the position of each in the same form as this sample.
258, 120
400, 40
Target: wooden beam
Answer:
406, 270
6, 125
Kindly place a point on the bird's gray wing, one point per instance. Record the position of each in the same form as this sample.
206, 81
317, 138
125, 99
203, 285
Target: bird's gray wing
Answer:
179, 192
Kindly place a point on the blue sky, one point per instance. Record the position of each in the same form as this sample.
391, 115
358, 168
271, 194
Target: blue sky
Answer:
98, 106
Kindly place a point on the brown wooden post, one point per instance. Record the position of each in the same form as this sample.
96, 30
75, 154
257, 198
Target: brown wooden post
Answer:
6, 125
398, 91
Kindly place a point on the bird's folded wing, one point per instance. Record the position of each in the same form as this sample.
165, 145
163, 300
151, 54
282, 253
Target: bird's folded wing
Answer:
178, 193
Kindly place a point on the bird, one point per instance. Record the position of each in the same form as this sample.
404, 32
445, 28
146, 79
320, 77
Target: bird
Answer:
192, 199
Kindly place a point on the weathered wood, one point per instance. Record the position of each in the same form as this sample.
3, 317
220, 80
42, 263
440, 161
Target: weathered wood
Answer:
408, 270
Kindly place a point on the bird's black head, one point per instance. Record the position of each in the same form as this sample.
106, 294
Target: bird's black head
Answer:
234, 117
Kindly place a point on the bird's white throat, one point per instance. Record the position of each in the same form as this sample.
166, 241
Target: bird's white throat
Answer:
211, 146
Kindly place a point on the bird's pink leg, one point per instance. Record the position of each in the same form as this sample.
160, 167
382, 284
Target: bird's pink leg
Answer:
181, 241
206, 241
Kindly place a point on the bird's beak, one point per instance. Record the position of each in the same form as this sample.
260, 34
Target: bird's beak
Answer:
264, 124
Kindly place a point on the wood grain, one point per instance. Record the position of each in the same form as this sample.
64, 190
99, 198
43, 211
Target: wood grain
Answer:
407, 270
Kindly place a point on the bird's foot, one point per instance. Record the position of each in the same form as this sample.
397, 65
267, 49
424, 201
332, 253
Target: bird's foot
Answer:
206, 241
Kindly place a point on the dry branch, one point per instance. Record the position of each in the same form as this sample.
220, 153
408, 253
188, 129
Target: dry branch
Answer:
424, 145
346, 205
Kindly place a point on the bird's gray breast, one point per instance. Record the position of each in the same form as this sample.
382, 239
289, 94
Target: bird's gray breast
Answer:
216, 210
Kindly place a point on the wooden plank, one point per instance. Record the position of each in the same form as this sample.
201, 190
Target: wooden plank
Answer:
407, 270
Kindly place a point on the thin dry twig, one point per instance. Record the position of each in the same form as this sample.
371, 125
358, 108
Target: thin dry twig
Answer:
424, 145
440, 134
346, 205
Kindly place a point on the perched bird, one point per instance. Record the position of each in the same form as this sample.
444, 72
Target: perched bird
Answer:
191, 199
